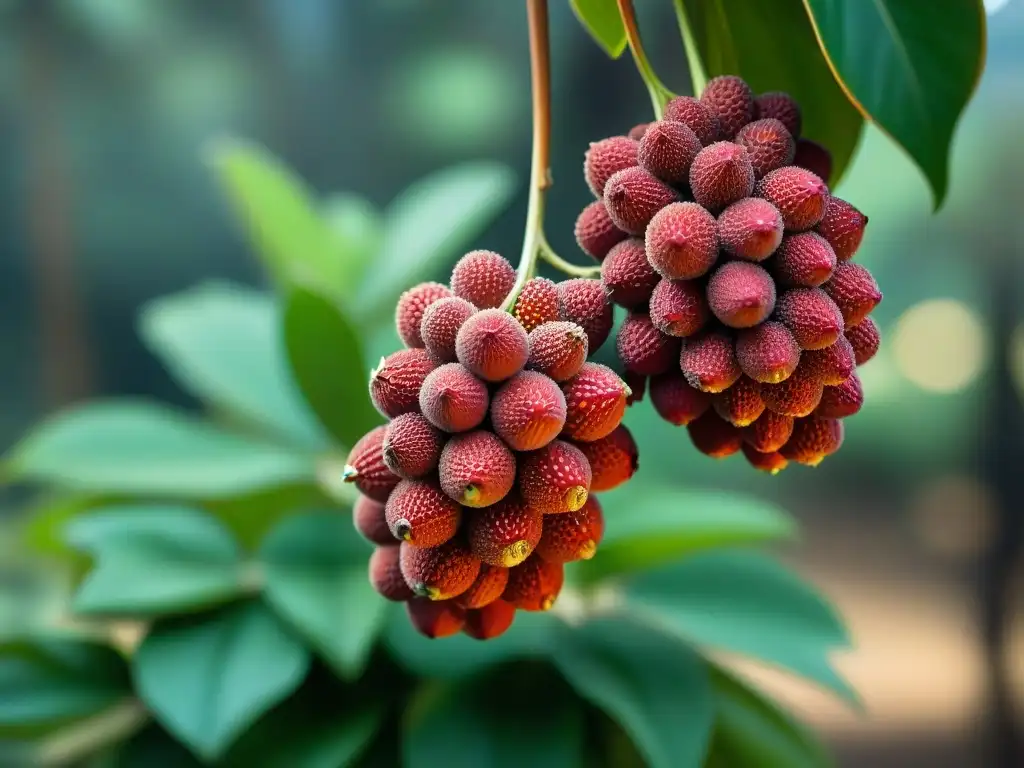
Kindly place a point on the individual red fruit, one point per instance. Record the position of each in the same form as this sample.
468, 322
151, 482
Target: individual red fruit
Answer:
606, 157
632, 197
831, 365
573, 536
637, 385
740, 404
637, 131
772, 463
769, 433
534, 585
814, 157
682, 241
667, 150
453, 399
797, 193
865, 340
720, 175
537, 303
643, 348
741, 294
804, 259
709, 362
438, 573
395, 383
843, 227
366, 468
386, 574
613, 459
410, 308
505, 534
730, 99
595, 231
558, 349
419, 512
491, 621
368, 518
797, 396
412, 446
477, 469
769, 145
767, 352
854, 291
842, 400
713, 436
483, 278
435, 619
676, 401
627, 275
595, 401
783, 108
696, 116
528, 412
492, 345
678, 307
750, 229
813, 439
441, 324
811, 316
555, 478
583, 301
486, 589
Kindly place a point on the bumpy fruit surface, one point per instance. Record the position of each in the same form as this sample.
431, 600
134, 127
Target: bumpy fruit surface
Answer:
676, 401
504, 535
440, 326
595, 402
596, 233
412, 446
811, 316
741, 294
782, 107
438, 573
797, 396
714, 436
767, 352
798, 194
477, 469
813, 440
772, 463
558, 350
583, 301
741, 404
605, 158
843, 227
730, 99
574, 535
483, 278
529, 411
492, 345
395, 383
768, 144
555, 478
386, 574
667, 150
368, 518
453, 399
627, 275
486, 589
804, 259
865, 339
769, 433
709, 362
435, 619
537, 303
841, 400
720, 175
419, 512
411, 306
613, 459
643, 348
854, 291
815, 158
534, 585
682, 241
366, 468
696, 116
491, 621
632, 197
750, 229
678, 307
831, 365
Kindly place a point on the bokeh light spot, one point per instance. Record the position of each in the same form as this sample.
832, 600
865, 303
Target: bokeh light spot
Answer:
940, 345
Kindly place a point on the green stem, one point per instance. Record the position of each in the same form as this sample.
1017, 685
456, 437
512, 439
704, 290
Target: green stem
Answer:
660, 95
89, 736
548, 254
698, 75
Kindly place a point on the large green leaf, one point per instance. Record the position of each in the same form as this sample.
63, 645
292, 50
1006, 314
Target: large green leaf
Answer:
134, 447
602, 20
911, 66
315, 567
154, 559
771, 44
223, 343
153, 747
251, 516
209, 678
359, 228
655, 686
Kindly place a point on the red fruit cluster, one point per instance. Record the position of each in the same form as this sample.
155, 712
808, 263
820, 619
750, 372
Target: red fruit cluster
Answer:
480, 488
716, 230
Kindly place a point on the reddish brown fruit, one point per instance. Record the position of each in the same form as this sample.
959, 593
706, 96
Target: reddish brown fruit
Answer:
720, 175
709, 362
596, 233
783, 108
772, 463
368, 518
811, 316
438, 573
477, 469
583, 301
730, 99
366, 468
805, 259
842, 400
440, 326
555, 478
534, 585
453, 399
435, 619
637, 387
613, 459
854, 291
504, 535
491, 621
627, 275
667, 150
750, 229
573, 536
633, 196
682, 241
386, 574
486, 589
865, 339
769, 145
797, 193
558, 349
813, 440
741, 294
676, 401
412, 446
643, 348
483, 278
713, 436
678, 307
740, 404
605, 158
537, 303
419, 512
843, 227
769, 433
767, 353
492, 345
696, 116
831, 365
528, 412
815, 158
395, 383
637, 131
797, 396
595, 401
410, 308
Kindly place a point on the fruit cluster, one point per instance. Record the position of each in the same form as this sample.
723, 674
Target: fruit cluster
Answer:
716, 230
480, 488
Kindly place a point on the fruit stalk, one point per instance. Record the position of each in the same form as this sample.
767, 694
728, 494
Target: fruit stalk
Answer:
660, 95
698, 76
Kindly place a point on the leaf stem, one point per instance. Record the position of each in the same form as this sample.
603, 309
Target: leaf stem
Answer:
698, 75
548, 254
660, 95
93, 734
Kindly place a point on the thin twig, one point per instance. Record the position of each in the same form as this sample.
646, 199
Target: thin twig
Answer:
660, 95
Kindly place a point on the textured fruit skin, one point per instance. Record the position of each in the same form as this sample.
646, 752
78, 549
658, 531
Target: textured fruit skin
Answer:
797, 193
811, 316
740, 404
483, 278
435, 619
613, 459
453, 399
583, 301
676, 401
682, 241
504, 535
831, 365
420, 513
440, 326
730, 99
637, 131
769, 433
486, 589
412, 446
477, 469
769, 145
678, 307
696, 116
366, 468
783, 108
534, 585
395, 383
438, 573
491, 621
767, 353
632, 197
709, 363
842, 400
741, 294
573, 536
854, 291
555, 479
627, 275
595, 401
713, 436
797, 396
537, 303
843, 227
772, 463
368, 518
410, 308
750, 229
492, 345
804, 259
720, 175
865, 339
386, 574
596, 233
558, 349
529, 411
815, 158
813, 440
667, 150
605, 158
643, 348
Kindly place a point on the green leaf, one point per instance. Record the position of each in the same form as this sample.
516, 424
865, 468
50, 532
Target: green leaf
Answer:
910, 66
154, 559
208, 679
771, 44
153, 747
251, 516
431, 223
656, 687
358, 228
135, 447
223, 344
602, 20
315, 567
